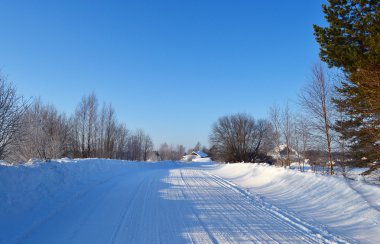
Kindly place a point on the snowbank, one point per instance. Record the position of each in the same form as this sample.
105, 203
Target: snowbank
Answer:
202, 160
34, 190
345, 207
22, 185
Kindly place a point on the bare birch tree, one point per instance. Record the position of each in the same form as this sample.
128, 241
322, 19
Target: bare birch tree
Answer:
85, 121
140, 145
302, 139
109, 133
316, 100
287, 125
283, 130
122, 134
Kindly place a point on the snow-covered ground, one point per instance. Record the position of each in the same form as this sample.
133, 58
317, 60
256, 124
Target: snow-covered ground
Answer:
337, 205
112, 201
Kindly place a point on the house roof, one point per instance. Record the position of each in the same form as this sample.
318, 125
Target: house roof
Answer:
200, 154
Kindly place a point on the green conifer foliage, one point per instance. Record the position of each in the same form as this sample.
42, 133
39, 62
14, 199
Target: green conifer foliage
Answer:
351, 42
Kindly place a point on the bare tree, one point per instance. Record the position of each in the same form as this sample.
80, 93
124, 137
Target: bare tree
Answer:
135, 146
122, 134
164, 151
12, 108
109, 133
269, 140
147, 146
287, 132
283, 129
302, 139
140, 145
316, 100
171, 152
238, 137
181, 150
92, 104
197, 146
276, 122
85, 121
45, 133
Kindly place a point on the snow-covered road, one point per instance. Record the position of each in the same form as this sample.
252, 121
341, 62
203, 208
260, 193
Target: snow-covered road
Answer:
171, 204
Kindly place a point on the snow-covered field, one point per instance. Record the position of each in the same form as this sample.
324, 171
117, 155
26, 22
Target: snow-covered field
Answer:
111, 201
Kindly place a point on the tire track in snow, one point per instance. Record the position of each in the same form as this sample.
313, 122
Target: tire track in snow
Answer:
124, 214
313, 230
204, 226
240, 216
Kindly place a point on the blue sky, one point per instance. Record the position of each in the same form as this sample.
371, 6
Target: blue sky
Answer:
169, 67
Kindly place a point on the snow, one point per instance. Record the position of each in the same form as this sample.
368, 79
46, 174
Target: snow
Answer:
343, 207
202, 160
188, 158
113, 201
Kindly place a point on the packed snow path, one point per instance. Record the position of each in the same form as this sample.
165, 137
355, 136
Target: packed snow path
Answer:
171, 204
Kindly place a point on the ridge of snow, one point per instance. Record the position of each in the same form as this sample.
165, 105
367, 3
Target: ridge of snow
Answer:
347, 208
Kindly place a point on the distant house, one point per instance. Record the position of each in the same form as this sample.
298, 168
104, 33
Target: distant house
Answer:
196, 156
199, 154
280, 153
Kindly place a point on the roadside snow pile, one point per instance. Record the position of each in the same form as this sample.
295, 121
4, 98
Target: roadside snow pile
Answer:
37, 179
202, 160
345, 207
35, 190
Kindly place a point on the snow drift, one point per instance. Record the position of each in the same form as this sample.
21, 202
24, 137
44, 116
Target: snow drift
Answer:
345, 207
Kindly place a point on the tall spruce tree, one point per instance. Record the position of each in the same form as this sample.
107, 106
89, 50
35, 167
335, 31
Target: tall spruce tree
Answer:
351, 42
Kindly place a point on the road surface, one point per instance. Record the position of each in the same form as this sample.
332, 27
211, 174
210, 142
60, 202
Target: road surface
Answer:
176, 204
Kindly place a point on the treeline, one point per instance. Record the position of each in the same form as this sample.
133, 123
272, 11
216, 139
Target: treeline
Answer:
340, 119
30, 129
286, 136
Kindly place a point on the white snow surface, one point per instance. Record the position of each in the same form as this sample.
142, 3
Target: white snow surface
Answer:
113, 201
340, 206
202, 160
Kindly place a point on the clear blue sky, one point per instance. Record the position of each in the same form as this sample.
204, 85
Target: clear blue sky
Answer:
169, 67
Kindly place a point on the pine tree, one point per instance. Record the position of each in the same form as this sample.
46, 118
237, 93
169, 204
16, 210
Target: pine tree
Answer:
351, 42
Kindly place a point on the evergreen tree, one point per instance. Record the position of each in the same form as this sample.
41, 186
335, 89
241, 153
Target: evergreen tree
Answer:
351, 42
